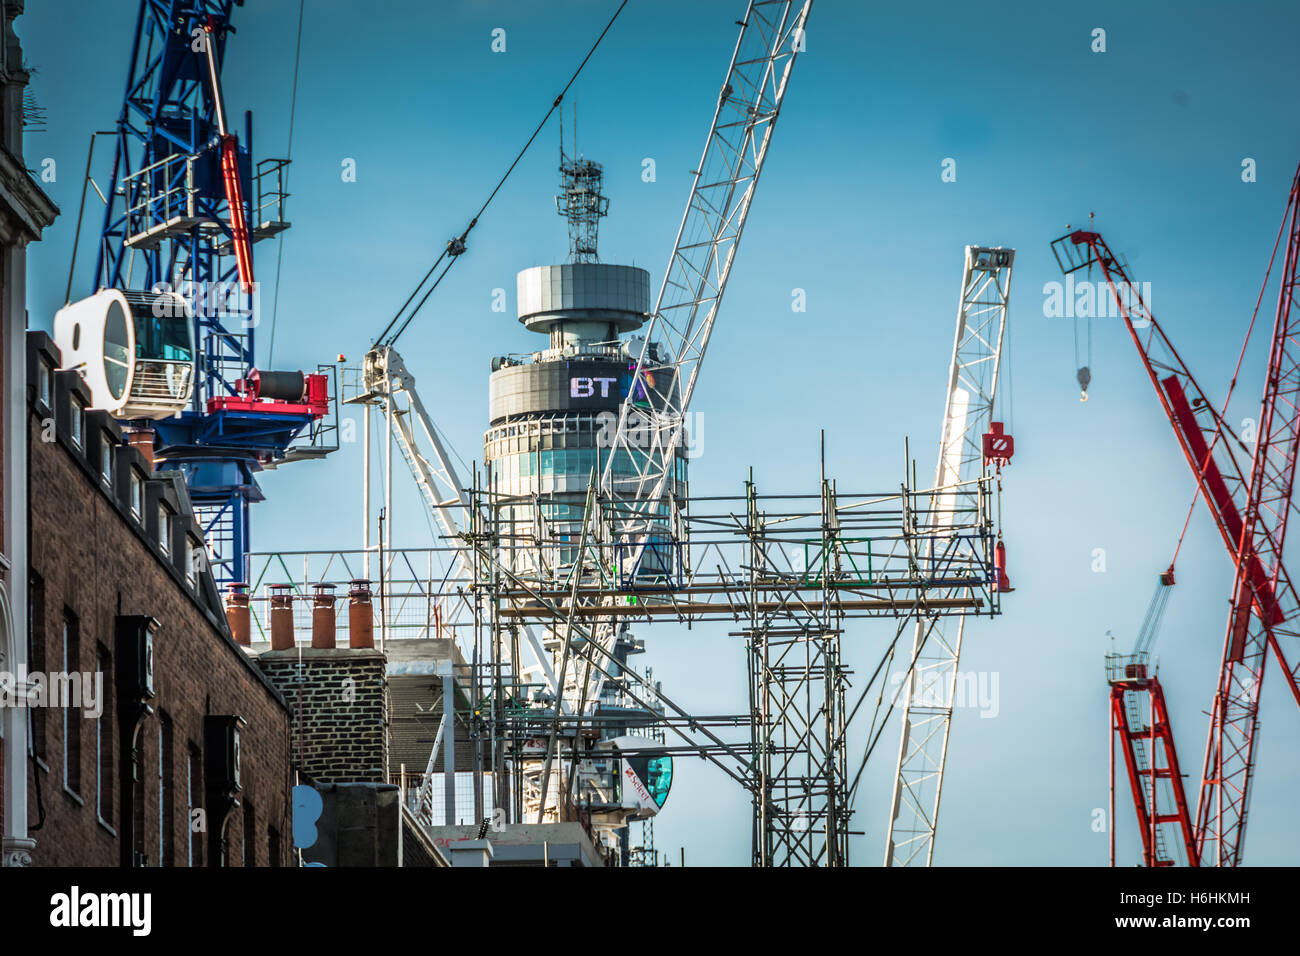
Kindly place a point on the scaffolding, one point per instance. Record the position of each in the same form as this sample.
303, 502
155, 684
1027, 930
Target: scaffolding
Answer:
791, 573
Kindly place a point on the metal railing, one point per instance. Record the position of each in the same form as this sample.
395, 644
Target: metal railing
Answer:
270, 192
160, 193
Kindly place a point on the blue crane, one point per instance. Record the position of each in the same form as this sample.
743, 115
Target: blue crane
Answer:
166, 338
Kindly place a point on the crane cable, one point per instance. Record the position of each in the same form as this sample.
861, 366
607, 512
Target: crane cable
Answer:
1084, 368
456, 246
288, 155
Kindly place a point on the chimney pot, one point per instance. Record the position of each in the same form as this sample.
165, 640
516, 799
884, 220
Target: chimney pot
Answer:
322, 617
281, 617
361, 615
237, 613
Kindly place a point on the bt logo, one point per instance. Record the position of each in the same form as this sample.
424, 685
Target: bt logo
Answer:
585, 387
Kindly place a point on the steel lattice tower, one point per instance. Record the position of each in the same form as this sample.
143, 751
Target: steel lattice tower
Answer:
936, 646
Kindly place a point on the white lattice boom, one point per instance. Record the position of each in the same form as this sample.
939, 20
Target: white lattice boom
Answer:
936, 647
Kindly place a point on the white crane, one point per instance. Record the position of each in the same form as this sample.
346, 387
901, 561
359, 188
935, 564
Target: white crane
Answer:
936, 645
667, 368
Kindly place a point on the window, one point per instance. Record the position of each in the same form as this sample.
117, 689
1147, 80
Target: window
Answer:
166, 791
137, 494
273, 846
194, 791
106, 443
250, 835
195, 562
164, 528
78, 412
44, 383
104, 742
71, 720
36, 659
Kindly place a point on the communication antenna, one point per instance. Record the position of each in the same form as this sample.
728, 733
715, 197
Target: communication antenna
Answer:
581, 201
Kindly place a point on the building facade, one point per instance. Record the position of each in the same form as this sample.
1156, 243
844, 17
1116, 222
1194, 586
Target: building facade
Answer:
154, 739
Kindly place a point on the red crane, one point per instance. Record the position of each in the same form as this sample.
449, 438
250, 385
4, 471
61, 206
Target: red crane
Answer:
1229, 751
1252, 517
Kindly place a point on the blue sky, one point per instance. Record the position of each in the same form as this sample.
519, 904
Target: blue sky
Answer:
1149, 135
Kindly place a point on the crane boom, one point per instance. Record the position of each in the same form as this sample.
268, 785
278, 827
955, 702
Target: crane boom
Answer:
388, 383
936, 644
1229, 752
668, 366
1208, 442
1252, 524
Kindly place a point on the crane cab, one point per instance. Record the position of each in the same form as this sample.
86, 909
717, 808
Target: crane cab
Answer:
134, 349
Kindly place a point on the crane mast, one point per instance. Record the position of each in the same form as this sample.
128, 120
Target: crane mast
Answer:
936, 644
165, 338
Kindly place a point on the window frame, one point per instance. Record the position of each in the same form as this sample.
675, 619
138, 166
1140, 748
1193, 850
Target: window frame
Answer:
194, 788
106, 457
166, 790
165, 516
194, 547
37, 728
136, 494
77, 422
45, 383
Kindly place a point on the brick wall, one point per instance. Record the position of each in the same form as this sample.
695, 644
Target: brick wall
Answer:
93, 560
340, 710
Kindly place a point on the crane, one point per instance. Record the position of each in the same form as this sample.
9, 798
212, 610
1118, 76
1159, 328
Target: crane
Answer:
722, 191
165, 340
936, 647
1251, 514
1229, 753
672, 352
750, 99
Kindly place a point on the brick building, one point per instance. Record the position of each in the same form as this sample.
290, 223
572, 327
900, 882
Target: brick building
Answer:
340, 708
116, 565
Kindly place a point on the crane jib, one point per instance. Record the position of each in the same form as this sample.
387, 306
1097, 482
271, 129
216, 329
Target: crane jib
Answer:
1220, 499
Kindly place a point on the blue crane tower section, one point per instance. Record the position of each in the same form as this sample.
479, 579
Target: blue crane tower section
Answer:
166, 338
